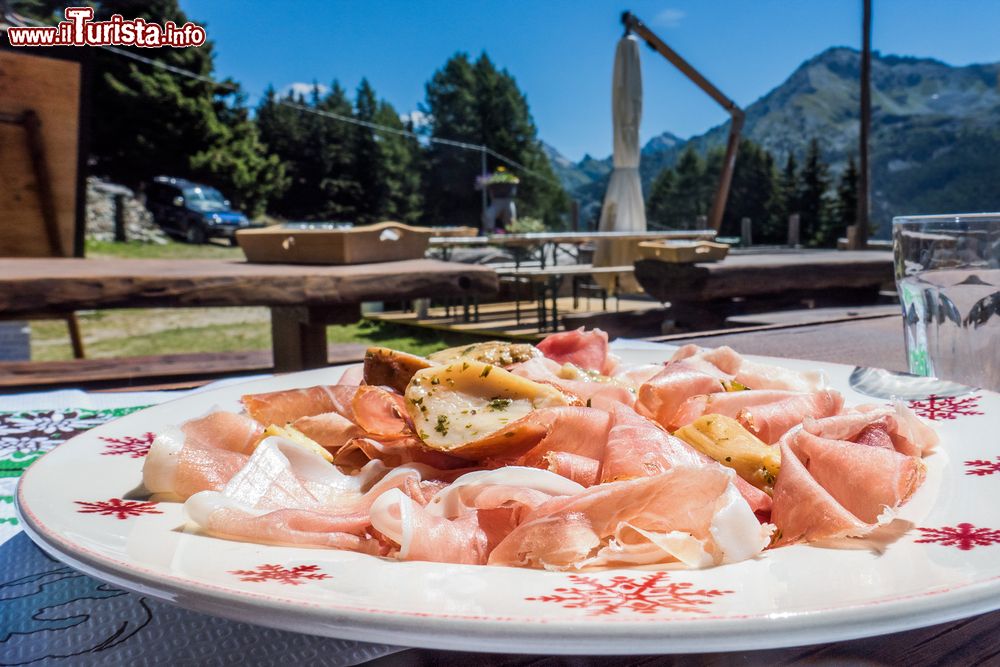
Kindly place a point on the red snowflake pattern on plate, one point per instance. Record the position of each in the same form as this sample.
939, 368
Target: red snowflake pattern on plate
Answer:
118, 508
965, 536
938, 408
650, 594
291, 576
137, 448
982, 467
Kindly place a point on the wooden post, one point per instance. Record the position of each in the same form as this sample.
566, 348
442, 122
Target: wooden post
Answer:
746, 232
859, 239
633, 24
794, 227
119, 200
574, 214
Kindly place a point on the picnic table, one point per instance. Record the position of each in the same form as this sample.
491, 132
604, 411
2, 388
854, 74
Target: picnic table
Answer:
164, 634
702, 294
303, 299
548, 243
546, 283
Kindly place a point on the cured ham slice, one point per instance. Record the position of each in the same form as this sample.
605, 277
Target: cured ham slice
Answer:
661, 397
462, 522
581, 469
585, 349
692, 516
750, 374
281, 407
637, 448
904, 430
288, 495
330, 429
833, 488
203, 454
768, 414
569, 430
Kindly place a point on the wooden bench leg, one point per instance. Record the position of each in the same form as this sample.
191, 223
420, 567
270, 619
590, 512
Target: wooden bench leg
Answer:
75, 337
298, 334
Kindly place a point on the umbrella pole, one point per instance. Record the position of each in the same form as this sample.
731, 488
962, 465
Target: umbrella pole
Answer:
633, 24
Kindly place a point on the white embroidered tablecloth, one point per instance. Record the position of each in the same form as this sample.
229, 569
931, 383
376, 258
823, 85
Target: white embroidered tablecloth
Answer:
51, 614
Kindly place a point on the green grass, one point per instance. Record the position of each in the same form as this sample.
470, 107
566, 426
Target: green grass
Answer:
169, 250
150, 331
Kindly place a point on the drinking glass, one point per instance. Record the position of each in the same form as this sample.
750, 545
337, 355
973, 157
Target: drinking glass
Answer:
948, 279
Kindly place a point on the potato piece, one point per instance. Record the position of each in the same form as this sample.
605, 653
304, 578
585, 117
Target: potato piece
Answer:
494, 352
471, 409
299, 438
392, 368
726, 441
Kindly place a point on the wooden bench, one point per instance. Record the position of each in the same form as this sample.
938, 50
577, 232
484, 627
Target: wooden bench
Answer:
145, 372
704, 295
546, 283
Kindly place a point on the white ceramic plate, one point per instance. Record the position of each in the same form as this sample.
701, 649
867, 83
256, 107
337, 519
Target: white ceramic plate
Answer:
75, 503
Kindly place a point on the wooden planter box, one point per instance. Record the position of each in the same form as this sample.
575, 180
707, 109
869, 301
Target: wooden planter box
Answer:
683, 252
381, 242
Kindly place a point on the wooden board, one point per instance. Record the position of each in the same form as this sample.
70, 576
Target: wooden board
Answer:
764, 274
60, 285
51, 88
144, 370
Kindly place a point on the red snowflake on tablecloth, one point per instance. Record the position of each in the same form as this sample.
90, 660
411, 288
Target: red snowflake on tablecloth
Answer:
982, 467
649, 595
946, 407
965, 536
137, 448
120, 509
291, 576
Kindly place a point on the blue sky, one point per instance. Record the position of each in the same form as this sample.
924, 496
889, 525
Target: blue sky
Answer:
561, 51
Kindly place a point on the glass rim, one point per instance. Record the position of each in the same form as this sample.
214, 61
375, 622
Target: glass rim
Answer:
946, 217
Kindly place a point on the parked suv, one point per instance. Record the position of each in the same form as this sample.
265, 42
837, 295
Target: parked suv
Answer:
192, 211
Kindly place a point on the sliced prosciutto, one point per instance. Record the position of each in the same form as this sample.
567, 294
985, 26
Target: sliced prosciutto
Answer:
662, 395
768, 414
281, 407
288, 495
835, 488
638, 448
585, 349
694, 516
463, 522
750, 374
203, 453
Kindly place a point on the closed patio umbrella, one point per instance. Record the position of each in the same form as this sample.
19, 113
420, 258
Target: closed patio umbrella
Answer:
623, 209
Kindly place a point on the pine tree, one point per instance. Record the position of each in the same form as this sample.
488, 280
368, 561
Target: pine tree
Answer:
845, 209
788, 192
479, 104
153, 121
400, 160
814, 203
689, 199
658, 213
367, 162
751, 191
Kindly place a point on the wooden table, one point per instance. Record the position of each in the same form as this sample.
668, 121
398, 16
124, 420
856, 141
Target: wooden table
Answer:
704, 293
877, 341
548, 242
303, 299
